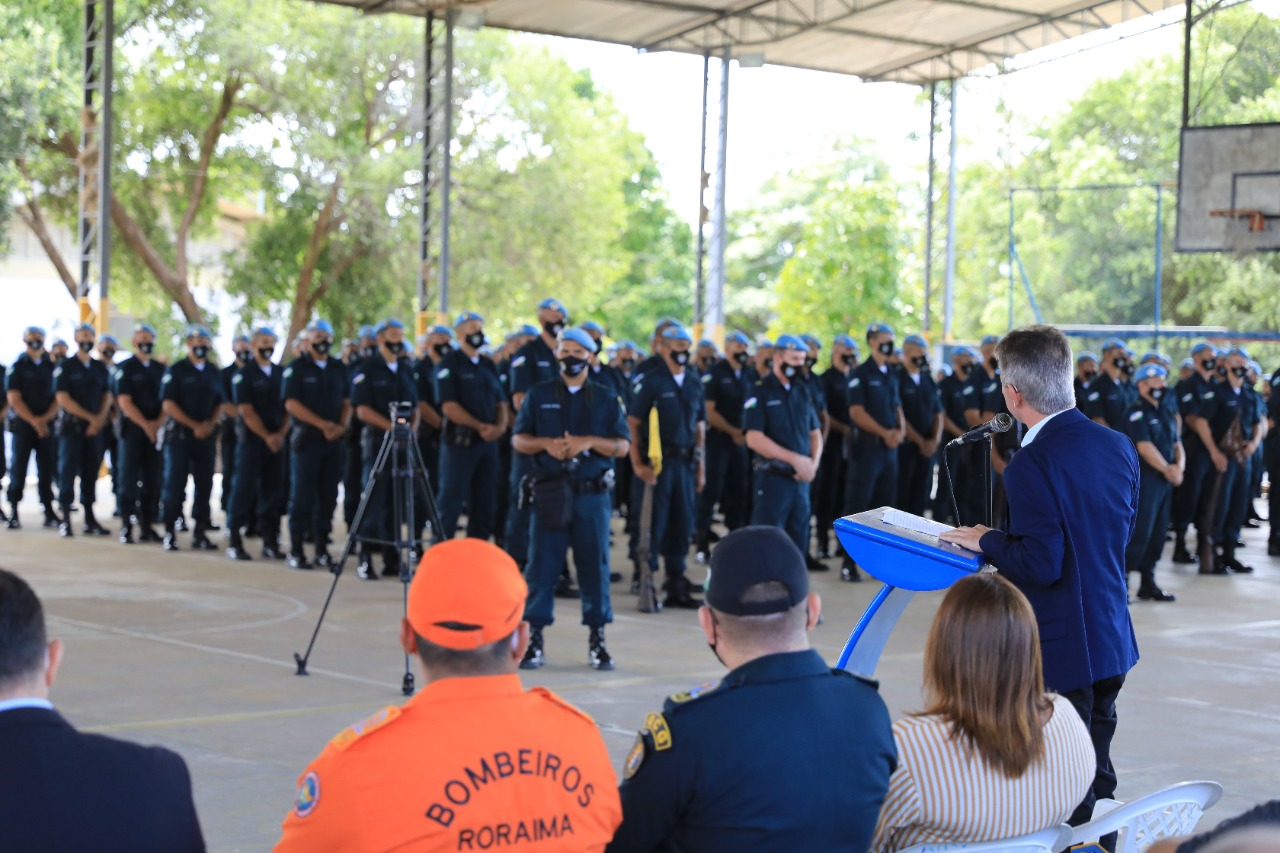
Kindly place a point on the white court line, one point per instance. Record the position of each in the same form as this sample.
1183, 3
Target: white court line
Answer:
1224, 709
1219, 629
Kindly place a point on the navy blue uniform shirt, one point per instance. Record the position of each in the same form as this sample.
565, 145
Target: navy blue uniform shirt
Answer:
473, 385
681, 407
812, 387
1145, 422
920, 402
252, 387
982, 392
323, 390
424, 372
86, 383
877, 392
835, 391
228, 376
142, 383
728, 390
34, 381
197, 392
1222, 404
783, 414
782, 754
1109, 400
377, 386
550, 410
951, 393
533, 363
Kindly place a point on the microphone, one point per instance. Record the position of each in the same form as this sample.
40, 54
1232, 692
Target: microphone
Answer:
1000, 423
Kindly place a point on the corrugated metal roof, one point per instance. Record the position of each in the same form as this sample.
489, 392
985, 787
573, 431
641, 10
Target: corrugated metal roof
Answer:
911, 41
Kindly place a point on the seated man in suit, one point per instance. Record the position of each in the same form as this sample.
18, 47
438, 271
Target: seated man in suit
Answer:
61, 790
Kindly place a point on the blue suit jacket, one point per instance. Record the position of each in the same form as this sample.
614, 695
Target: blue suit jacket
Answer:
61, 790
1073, 499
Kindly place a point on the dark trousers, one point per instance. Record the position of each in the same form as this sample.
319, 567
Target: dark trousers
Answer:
973, 488
588, 536
515, 532
873, 477
727, 483
185, 455
915, 479
79, 455
139, 476
1155, 502
429, 448
1233, 501
1273, 500
26, 443
673, 508
352, 484
227, 443
950, 478
111, 452
316, 472
828, 489
622, 488
1096, 705
257, 490
468, 475
505, 500
1188, 497
782, 502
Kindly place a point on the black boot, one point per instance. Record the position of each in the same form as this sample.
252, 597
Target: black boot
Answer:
366, 571
64, 525
678, 595
1229, 561
51, 519
849, 571
13, 523
236, 551
597, 655
1181, 555
824, 544
534, 657
702, 546
813, 564
147, 533
91, 525
1148, 591
126, 534
171, 539
198, 539
298, 560
271, 546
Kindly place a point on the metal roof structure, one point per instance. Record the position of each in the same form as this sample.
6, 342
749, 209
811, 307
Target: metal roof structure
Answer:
908, 41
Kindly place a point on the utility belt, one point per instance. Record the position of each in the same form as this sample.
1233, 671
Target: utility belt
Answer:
243, 433
66, 424
173, 431
551, 495
303, 436
457, 435
868, 440
774, 467
680, 454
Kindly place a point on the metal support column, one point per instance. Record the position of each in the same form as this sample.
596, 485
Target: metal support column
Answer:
713, 312
951, 223
436, 138
699, 294
1186, 63
446, 171
928, 207
1013, 258
94, 226
1159, 263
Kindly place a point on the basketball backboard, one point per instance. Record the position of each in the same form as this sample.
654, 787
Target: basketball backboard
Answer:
1229, 189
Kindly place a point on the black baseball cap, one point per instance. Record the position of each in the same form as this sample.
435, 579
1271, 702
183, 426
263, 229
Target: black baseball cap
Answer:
754, 555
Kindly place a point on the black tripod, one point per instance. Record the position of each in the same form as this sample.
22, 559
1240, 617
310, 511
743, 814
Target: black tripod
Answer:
398, 466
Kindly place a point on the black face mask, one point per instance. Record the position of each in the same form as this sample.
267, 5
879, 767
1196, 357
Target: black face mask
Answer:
810, 362
321, 349
1130, 368
85, 346
200, 353
571, 365
553, 327
243, 356
995, 363
1222, 370
1208, 365
680, 358
790, 371
768, 364
1120, 364
886, 348
442, 349
850, 359
395, 347
368, 352
1240, 371
742, 358
628, 363
266, 352
475, 340
108, 355
146, 349
36, 345
963, 370
1089, 375
1157, 394
921, 361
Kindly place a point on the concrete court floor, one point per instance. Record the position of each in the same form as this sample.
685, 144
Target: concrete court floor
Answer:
195, 652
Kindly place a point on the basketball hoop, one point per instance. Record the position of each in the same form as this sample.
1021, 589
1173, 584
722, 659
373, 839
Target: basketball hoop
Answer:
1256, 218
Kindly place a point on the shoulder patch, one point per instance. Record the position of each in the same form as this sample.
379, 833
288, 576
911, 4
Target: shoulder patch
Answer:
442, 373
1135, 416
689, 695
968, 389
706, 377
750, 403
237, 379
351, 734
518, 360
656, 725
57, 371
358, 379
1206, 395
1095, 395
288, 371
167, 376
635, 758
308, 794
855, 382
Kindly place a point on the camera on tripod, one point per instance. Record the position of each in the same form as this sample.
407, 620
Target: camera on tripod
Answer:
402, 419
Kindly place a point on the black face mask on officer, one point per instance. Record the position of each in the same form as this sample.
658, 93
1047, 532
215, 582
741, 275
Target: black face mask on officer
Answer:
921, 361
85, 346
680, 358
243, 356
200, 352
768, 364
886, 348
321, 349
1222, 370
994, 362
1208, 365
475, 340
571, 365
395, 347
742, 358
1240, 371
442, 349
266, 352
1120, 363
810, 362
35, 344
146, 348
1088, 375
1157, 394
850, 359
963, 370
628, 363
790, 371
553, 327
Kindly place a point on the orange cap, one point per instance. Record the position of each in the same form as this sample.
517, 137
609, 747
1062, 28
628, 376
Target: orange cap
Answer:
466, 593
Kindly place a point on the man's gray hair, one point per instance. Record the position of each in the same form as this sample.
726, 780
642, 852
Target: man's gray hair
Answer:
1037, 361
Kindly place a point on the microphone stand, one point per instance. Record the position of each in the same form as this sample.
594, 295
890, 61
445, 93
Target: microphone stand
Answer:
989, 481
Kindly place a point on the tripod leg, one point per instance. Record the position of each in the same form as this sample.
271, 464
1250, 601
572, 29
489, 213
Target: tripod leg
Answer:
433, 508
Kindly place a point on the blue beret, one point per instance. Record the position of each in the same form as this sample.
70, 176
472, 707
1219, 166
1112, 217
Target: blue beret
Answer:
916, 340
946, 370
737, 337
321, 326
972, 353
811, 341
990, 339
844, 341
240, 338
34, 330
195, 330
440, 330
1203, 346
1187, 364
628, 344
664, 322
790, 342
109, 339
389, 323
578, 336
144, 327
1240, 351
85, 327
553, 305
676, 333
1086, 356
1114, 343
1255, 367
593, 326
707, 342
368, 332
466, 317
267, 331
57, 342
897, 351
764, 343
1150, 371
879, 329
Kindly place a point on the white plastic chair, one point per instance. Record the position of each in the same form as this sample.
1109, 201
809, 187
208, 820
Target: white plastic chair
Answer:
1050, 840
1172, 811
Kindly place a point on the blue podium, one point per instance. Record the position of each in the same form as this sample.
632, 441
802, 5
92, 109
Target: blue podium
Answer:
903, 552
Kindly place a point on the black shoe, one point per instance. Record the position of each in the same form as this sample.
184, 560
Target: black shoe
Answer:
1155, 593
180, 526
211, 527
1252, 525
365, 571
171, 541
597, 655
115, 513
146, 534
391, 566
713, 537
849, 572
614, 577
251, 532
64, 530
13, 523
237, 552
1239, 543
1234, 565
1273, 548
92, 527
126, 535
323, 560
51, 519
533, 655
813, 564
271, 552
300, 561
565, 588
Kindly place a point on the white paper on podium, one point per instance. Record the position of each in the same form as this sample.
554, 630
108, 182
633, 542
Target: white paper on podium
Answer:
906, 520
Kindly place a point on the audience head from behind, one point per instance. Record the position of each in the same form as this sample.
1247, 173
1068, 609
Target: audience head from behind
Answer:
29, 661
982, 672
1036, 372
1254, 831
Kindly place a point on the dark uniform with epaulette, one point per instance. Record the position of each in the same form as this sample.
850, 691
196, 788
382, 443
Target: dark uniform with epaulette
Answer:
833, 469
315, 463
726, 385
1145, 422
1188, 499
782, 754
424, 374
352, 482
873, 468
982, 394
378, 386
468, 464
80, 454
1227, 406
533, 363
579, 519
228, 441
257, 486
33, 381
1110, 400
784, 415
921, 406
951, 394
140, 459
198, 393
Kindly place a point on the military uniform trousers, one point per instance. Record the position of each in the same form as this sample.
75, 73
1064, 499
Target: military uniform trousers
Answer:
873, 476
25, 444
429, 449
139, 476
588, 536
1155, 504
1233, 501
184, 455
79, 455
1189, 498
515, 531
673, 508
315, 471
227, 444
727, 479
782, 502
352, 469
468, 475
828, 490
257, 488
915, 478
380, 522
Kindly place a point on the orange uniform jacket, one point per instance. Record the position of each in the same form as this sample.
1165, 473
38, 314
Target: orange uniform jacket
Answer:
468, 764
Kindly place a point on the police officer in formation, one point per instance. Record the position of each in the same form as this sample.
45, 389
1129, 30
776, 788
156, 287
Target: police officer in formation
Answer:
82, 389
833, 468
1202, 456
1237, 430
438, 342
726, 387
1086, 371
951, 394
191, 396
257, 485
783, 430
108, 347
571, 428
1112, 393
32, 408
382, 380
316, 396
1155, 435
137, 385
227, 438
922, 417
352, 470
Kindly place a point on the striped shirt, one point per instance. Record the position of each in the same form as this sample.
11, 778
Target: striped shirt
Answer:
943, 792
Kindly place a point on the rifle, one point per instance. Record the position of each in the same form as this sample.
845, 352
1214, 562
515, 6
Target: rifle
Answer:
648, 602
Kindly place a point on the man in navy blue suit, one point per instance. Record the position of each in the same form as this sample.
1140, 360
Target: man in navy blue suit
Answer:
1065, 555
61, 790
